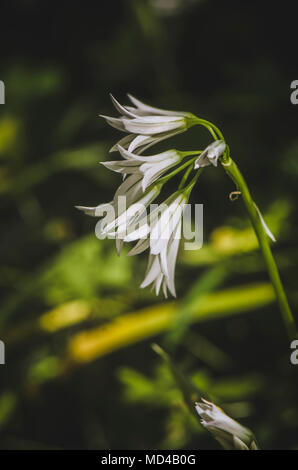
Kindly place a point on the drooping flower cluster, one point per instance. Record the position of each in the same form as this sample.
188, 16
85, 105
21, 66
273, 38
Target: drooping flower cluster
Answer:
126, 217
228, 432
160, 231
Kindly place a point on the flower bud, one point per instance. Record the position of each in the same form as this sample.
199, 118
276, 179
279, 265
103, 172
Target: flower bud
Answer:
228, 432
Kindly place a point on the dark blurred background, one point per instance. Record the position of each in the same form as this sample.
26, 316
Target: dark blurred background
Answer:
80, 371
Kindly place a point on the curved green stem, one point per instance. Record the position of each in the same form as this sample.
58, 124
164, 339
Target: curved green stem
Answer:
214, 130
233, 171
191, 184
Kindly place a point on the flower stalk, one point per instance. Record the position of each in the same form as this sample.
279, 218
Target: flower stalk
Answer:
233, 171
261, 230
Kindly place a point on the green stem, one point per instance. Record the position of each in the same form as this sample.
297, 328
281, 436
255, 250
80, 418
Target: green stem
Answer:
233, 171
185, 176
214, 130
191, 184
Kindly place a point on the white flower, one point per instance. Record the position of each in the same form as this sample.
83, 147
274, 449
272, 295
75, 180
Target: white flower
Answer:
155, 271
144, 109
147, 125
130, 190
123, 223
230, 434
150, 167
95, 211
160, 231
211, 154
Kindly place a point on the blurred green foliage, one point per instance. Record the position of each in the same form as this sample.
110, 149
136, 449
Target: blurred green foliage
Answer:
79, 370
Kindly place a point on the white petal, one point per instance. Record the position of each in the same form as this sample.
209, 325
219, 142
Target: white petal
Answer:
121, 166
217, 151
172, 257
153, 271
127, 154
140, 232
159, 138
124, 142
135, 110
159, 157
218, 421
150, 176
115, 122
162, 231
144, 142
152, 110
94, 211
153, 172
253, 445
119, 245
164, 261
156, 119
87, 210
153, 124
138, 141
211, 154
202, 160
120, 108
239, 445
156, 242
129, 184
132, 213
158, 282
135, 192
164, 288
141, 246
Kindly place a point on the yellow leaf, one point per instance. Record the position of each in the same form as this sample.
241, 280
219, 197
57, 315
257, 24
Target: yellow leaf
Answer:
143, 324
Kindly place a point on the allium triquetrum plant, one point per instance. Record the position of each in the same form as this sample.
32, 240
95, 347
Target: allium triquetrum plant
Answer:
144, 178
228, 432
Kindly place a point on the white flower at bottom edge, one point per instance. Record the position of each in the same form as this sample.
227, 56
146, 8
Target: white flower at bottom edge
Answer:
211, 154
228, 432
